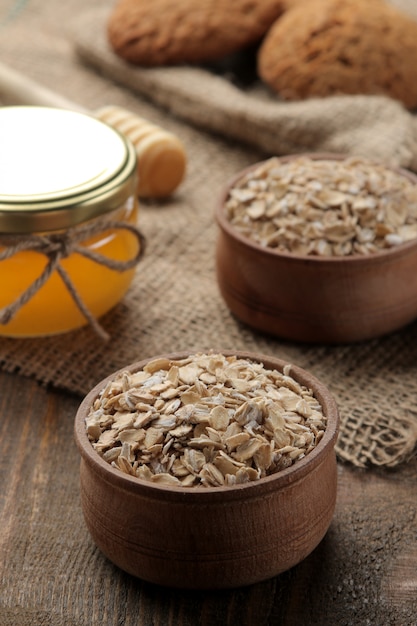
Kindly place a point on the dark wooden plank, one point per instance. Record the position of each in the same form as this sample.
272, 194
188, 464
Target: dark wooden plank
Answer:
364, 571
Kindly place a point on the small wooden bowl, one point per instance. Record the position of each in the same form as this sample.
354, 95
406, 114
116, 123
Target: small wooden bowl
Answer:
211, 537
315, 299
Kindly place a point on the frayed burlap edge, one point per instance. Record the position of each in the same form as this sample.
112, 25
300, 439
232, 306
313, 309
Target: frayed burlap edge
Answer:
373, 440
174, 303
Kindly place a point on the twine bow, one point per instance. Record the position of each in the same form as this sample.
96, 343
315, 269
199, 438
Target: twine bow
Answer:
58, 246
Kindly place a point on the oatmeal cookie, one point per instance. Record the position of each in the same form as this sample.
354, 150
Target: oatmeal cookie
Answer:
167, 32
327, 47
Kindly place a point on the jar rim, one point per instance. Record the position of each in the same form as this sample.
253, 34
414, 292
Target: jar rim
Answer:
60, 168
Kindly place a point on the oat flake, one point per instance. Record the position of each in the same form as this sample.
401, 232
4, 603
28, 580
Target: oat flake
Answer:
206, 420
324, 207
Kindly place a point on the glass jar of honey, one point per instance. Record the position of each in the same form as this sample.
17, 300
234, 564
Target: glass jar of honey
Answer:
68, 210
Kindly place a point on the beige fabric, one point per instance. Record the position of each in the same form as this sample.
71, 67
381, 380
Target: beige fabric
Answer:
371, 126
174, 303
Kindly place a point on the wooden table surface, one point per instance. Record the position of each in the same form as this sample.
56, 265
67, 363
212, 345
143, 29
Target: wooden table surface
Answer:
363, 572
51, 574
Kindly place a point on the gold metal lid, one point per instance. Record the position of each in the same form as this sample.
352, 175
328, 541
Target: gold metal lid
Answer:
59, 168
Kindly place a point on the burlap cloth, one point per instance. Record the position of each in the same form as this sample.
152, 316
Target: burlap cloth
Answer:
174, 302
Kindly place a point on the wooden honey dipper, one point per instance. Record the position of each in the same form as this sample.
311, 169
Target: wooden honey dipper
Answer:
161, 155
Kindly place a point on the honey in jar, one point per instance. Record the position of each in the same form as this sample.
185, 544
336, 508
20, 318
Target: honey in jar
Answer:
68, 210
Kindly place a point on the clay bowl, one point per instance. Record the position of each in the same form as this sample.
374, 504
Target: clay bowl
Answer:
211, 537
315, 299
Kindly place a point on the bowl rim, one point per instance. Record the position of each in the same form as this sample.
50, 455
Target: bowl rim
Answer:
260, 487
381, 256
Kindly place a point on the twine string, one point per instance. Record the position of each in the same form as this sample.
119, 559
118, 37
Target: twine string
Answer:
58, 246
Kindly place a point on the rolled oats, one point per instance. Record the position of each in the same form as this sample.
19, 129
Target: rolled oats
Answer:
209, 420
324, 207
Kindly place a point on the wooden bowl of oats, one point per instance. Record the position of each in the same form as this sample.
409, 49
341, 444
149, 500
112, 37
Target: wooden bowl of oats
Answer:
319, 248
208, 470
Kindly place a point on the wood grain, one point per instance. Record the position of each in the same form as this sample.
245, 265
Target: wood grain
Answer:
210, 538
51, 573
